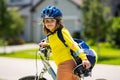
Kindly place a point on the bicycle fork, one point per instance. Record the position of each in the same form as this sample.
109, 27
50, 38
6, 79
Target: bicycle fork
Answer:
48, 68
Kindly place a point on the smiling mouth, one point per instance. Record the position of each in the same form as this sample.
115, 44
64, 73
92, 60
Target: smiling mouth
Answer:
50, 25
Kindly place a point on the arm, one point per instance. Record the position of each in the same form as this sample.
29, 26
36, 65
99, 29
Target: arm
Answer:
74, 46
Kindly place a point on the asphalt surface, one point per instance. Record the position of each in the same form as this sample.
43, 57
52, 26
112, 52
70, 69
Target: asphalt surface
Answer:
13, 69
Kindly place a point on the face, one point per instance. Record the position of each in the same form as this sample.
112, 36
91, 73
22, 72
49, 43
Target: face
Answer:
50, 24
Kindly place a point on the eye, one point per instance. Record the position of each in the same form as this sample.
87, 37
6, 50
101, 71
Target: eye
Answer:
46, 21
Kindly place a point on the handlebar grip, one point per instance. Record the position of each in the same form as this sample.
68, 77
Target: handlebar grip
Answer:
80, 69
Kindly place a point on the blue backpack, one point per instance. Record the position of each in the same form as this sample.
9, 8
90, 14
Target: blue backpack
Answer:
89, 52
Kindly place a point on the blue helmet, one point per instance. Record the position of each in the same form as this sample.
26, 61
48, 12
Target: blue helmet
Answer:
51, 12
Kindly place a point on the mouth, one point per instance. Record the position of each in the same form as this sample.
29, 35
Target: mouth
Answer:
49, 25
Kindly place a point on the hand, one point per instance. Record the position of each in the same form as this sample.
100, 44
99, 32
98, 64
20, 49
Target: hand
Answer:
86, 64
43, 44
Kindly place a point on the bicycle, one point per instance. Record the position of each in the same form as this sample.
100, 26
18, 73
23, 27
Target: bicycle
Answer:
44, 53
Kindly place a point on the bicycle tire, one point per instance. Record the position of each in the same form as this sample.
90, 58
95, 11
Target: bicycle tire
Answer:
31, 78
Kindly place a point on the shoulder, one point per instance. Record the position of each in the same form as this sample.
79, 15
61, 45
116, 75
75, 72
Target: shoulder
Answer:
65, 30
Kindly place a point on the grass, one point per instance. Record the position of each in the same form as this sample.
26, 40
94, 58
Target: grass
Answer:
107, 55
110, 56
28, 54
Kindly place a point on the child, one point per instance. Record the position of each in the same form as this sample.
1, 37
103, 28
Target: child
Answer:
52, 17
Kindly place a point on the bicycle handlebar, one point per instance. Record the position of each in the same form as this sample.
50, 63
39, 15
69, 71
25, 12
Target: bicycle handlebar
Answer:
81, 70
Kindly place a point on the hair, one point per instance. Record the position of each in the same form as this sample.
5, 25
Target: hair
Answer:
58, 25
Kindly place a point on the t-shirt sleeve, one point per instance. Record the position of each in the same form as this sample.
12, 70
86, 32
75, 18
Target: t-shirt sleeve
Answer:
72, 44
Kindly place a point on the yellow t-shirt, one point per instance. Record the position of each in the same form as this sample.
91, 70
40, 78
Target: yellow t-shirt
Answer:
60, 52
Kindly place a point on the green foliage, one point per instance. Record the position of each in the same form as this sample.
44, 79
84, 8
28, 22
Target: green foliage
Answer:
76, 35
13, 41
95, 22
16, 26
5, 18
115, 32
11, 23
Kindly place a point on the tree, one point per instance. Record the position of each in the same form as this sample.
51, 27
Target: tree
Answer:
4, 21
94, 21
114, 38
17, 23
4, 18
11, 22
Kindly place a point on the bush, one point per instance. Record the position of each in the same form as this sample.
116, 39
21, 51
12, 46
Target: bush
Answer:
10, 41
115, 31
18, 41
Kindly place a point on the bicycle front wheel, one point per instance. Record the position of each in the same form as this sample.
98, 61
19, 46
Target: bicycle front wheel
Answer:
32, 78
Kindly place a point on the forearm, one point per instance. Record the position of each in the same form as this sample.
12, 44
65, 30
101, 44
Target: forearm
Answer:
73, 45
78, 51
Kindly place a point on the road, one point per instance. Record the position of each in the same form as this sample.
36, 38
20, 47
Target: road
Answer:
13, 69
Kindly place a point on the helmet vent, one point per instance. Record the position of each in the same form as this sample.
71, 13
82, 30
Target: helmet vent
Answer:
51, 11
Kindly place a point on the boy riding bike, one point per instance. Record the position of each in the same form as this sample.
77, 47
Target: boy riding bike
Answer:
52, 17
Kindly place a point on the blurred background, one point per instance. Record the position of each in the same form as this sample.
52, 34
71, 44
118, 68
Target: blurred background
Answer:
95, 21
20, 19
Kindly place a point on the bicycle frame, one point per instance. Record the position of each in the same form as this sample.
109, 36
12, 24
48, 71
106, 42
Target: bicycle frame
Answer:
45, 60
47, 67
44, 54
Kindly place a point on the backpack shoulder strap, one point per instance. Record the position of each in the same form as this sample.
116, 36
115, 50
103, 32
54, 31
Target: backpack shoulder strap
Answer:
60, 36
